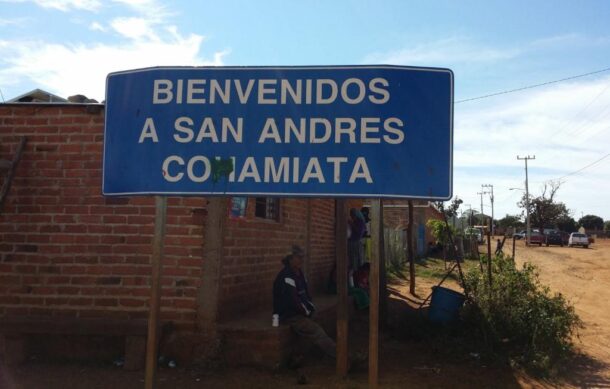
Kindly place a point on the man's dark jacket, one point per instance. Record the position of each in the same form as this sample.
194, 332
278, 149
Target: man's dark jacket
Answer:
290, 294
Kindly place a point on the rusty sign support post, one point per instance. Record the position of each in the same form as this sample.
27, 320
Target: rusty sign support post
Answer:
383, 280
410, 252
376, 239
341, 274
155, 292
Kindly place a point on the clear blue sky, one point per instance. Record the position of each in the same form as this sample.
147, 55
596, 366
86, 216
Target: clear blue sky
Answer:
68, 46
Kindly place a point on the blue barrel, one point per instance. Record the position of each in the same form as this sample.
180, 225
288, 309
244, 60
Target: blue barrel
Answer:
445, 305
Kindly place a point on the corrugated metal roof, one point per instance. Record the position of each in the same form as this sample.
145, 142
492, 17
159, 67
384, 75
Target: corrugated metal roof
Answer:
37, 95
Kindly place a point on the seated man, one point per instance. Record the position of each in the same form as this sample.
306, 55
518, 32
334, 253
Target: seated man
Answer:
292, 302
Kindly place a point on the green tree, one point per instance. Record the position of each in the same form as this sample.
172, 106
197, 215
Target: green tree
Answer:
544, 210
511, 221
439, 230
567, 224
607, 226
591, 222
450, 210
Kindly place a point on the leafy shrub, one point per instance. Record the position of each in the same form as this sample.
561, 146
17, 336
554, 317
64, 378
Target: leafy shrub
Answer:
439, 231
519, 317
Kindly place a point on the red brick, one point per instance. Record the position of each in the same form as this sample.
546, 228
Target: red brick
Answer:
58, 280
114, 219
106, 302
62, 238
56, 300
80, 301
184, 304
73, 269
10, 280
130, 302
99, 229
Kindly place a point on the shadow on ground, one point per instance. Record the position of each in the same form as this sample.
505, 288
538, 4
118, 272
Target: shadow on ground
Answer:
413, 353
584, 371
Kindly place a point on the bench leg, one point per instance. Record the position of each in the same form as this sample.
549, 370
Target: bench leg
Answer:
15, 350
135, 352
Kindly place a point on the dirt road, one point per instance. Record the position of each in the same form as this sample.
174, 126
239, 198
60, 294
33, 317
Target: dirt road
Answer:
583, 276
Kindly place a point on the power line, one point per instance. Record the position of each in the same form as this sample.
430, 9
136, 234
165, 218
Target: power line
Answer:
507, 198
565, 124
533, 86
585, 167
575, 133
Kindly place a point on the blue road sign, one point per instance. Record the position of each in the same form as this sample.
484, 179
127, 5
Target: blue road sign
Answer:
339, 131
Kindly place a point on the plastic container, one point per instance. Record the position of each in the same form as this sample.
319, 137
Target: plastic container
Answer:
445, 305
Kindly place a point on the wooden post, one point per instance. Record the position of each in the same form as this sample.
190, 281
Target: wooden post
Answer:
479, 255
514, 248
410, 253
342, 303
155, 292
308, 264
383, 279
453, 252
376, 236
208, 295
489, 254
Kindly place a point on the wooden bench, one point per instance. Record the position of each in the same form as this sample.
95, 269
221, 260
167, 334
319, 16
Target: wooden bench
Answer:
250, 340
16, 332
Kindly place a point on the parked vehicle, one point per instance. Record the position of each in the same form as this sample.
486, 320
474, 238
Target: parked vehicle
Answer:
520, 235
476, 232
578, 239
536, 238
554, 238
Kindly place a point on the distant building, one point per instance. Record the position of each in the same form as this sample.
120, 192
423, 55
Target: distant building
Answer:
396, 217
41, 96
38, 96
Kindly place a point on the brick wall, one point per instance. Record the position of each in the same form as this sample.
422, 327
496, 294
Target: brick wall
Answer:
254, 248
322, 244
65, 250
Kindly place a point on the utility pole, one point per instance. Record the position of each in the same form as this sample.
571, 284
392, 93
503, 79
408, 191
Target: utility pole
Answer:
527, 198
491, 197
482, 193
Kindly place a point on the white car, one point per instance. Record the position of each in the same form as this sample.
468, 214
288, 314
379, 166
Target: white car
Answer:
476, 233
578, 239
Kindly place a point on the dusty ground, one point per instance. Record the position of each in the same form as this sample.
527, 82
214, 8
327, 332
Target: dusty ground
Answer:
583, 276
406, 360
